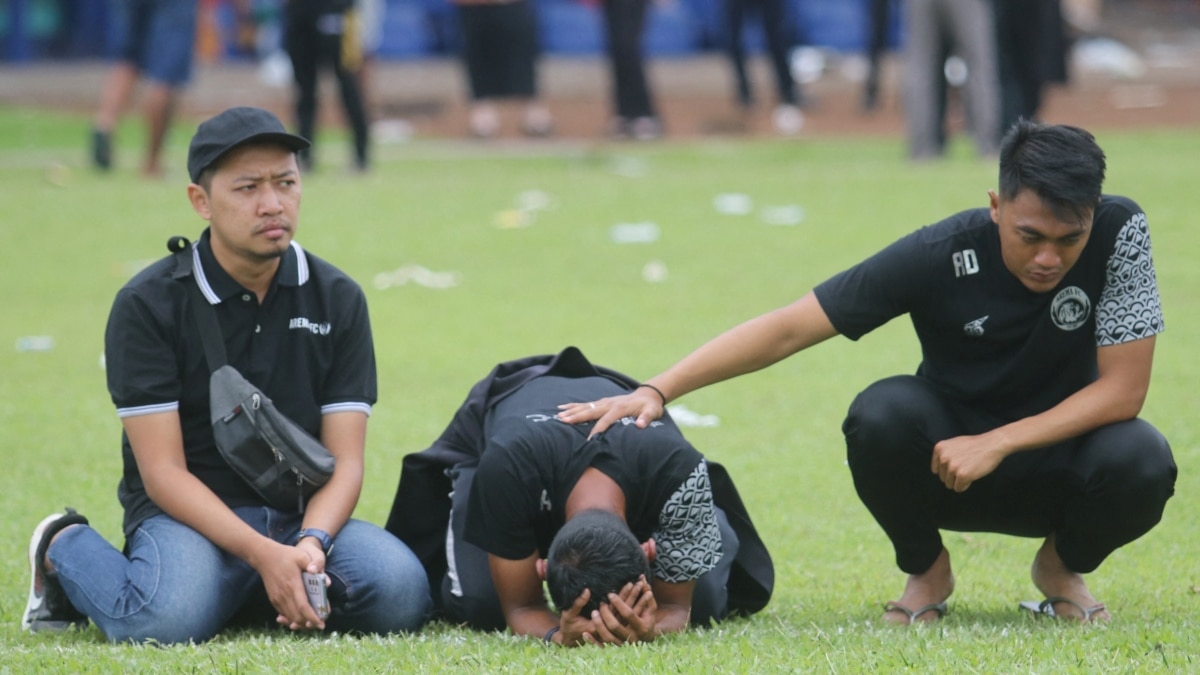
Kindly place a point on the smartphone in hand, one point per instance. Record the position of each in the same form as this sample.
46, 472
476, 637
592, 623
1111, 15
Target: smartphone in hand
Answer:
314, 586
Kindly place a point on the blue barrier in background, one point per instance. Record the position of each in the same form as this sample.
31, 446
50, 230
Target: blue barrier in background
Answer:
42, 29
39, 29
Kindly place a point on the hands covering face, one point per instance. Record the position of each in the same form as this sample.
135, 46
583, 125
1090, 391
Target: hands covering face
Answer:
627, 616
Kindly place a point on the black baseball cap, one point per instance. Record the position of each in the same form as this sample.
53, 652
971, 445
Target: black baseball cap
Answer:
236, 126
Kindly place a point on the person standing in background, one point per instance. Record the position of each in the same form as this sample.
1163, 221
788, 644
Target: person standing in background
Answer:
636, 118
1032, 52
787, 117
500, 51
967, 28
878, 17
326, 34
158, 40
370, 20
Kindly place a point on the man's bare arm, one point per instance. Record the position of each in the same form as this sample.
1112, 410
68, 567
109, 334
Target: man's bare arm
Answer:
751, 346
1116, 395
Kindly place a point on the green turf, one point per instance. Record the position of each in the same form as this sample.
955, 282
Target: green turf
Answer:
70, 238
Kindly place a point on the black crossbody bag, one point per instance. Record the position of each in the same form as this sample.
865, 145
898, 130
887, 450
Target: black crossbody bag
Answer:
281, 461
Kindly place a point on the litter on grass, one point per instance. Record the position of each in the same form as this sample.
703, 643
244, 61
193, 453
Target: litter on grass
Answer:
686, 417
534, 200
419, 275
629, 167
634, 233
790, 214
512, 219
58, 174
35, 343
733, 203
527, 205
655, 272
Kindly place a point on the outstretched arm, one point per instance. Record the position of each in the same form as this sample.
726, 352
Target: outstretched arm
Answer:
748, 347
1116, 395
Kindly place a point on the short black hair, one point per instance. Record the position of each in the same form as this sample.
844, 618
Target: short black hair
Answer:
206, 178
1062, 164
594, 550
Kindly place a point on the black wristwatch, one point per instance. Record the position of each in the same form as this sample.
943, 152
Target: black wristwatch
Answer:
321, 536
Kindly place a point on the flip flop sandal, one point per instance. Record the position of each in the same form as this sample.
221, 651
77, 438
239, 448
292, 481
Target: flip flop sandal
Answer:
938, 607
1046, 608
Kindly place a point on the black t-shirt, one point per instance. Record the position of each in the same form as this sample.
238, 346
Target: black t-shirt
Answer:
532, 461
307, 346
983, 334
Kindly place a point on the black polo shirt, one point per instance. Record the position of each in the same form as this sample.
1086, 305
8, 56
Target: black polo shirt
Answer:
307, 346
984, 335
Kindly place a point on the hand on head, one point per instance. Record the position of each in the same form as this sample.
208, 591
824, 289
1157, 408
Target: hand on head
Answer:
572, 626
628, 616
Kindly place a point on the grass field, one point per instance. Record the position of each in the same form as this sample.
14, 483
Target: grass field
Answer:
70, 238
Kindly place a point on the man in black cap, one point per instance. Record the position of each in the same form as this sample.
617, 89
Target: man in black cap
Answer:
202, 547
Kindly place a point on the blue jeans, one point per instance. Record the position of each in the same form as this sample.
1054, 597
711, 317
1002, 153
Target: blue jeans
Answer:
176, 586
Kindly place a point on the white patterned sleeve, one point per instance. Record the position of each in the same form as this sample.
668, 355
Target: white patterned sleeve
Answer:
1129, 307
688, 539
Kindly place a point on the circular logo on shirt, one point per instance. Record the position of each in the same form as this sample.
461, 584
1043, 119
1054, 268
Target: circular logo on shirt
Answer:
1070, 308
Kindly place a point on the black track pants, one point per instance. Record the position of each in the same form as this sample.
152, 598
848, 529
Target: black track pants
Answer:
1096, 492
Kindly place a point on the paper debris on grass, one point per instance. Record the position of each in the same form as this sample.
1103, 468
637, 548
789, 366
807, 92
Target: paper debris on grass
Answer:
534, 200
58, 174
789, 214
655, 272
512, 219
733, 203
35, 343
686, 417
528, 204
629, 167
419, 275
634, 233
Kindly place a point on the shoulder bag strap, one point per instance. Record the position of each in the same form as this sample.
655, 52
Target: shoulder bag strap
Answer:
202, 310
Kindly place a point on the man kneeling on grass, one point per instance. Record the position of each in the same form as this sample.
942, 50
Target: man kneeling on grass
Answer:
509, 496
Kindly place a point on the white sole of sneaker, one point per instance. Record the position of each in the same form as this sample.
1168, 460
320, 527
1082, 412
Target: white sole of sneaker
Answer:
34, 603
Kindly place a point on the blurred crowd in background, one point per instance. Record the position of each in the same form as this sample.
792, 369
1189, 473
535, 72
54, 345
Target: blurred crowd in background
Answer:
988, 59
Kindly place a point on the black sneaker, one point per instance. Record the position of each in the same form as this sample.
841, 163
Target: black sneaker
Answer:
101, 149
48, 608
